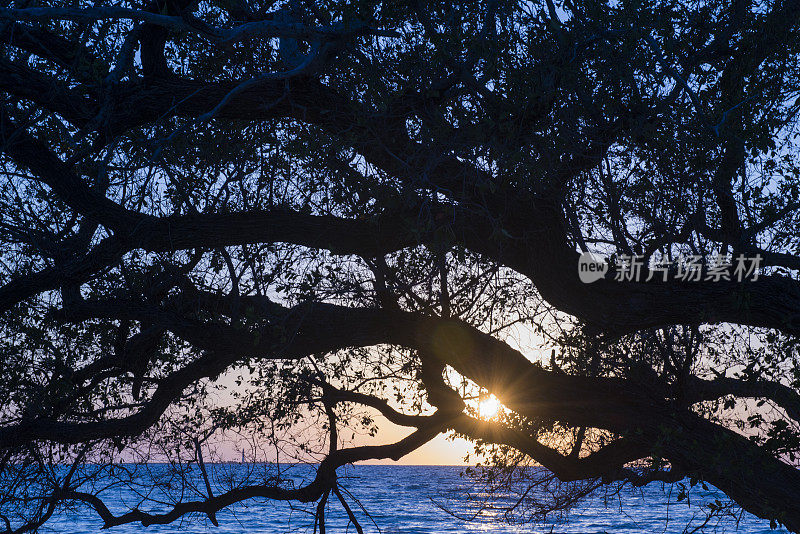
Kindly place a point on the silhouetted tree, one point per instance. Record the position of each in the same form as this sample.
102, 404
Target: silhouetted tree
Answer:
275, 220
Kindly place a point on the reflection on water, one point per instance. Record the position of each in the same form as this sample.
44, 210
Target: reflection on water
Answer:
409, 500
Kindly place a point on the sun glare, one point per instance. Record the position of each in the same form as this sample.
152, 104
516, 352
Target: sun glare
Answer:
489, 407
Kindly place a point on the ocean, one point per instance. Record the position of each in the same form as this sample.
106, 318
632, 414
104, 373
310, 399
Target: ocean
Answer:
427, 499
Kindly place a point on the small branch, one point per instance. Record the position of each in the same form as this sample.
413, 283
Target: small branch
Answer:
347, 509
211, 515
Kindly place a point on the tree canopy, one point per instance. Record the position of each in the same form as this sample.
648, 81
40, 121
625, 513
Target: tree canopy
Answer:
274, 221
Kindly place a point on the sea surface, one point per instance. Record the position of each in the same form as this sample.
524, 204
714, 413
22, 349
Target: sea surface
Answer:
427, 499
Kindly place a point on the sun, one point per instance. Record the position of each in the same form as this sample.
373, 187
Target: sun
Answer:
489, 407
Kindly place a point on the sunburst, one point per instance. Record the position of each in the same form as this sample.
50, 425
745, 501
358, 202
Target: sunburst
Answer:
489, 407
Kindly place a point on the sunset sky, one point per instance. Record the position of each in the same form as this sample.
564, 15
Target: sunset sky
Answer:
439, 451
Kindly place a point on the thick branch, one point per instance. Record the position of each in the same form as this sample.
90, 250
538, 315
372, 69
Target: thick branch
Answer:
784, 396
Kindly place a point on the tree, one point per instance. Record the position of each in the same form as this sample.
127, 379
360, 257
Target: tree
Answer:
349, 208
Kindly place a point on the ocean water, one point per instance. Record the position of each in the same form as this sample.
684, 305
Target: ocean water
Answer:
425, 499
